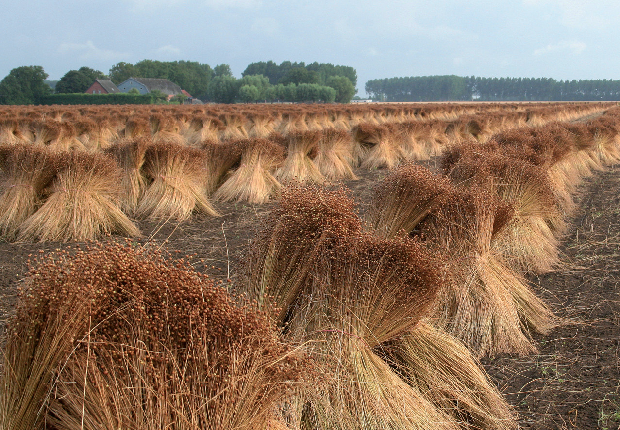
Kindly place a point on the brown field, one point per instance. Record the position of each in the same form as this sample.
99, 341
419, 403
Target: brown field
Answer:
205, 182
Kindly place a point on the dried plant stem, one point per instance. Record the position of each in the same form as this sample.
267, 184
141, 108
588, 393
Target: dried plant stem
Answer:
177, 188
299, 165
446, 373
26, 172
253, 181
82, 203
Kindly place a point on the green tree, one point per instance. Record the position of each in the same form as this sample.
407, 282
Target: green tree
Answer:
78, 81
300, 75
276, 73
269, 69
24, 85
327, 70
122, 71
271, 94
315, 93
73, 82
222, 70
153, 69
249, 93
223, 89
343, 86
259, 81
92, 73
157, 96
327, 94
193, 77
286, 93
179, 98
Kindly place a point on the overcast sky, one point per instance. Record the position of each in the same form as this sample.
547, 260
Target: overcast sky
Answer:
560, 39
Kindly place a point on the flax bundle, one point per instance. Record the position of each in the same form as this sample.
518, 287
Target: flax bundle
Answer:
544, 147
261, 125
201, 128
119, 337
177, 174
444, 372
305, 221
377, 146
129, 155
606, 146
137, 127
404, 198
82, 204
488, 306
8, 127
299, 165
350, 297
233, 127
45, 132
530, 241
221, 159
165, 129
253, 180
292, 122
412, 144
25, 173
103, 133
334, 157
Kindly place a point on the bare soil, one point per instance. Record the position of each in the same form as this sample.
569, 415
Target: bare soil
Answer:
574, 381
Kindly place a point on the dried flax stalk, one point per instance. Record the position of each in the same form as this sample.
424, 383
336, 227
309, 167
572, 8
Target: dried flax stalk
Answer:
404, 198
304, 222
82, 204
351, 297
530, 240
221, 158
299, 165
116, 336
26, 172
377, 146
253, 180
129, 155
447, 374
334, 157
482, 306
177, 174
364, 293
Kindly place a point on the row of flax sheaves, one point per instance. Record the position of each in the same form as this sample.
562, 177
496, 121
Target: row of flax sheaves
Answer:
94, 129
65, 179
339, 323
397, 307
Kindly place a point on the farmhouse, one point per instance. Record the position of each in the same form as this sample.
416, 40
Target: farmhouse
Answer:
147, 85
103, 86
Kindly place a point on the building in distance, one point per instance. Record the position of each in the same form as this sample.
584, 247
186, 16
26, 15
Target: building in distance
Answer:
103, 86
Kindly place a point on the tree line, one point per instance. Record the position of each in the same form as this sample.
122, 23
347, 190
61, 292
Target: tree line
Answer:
262, 81
456, 88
